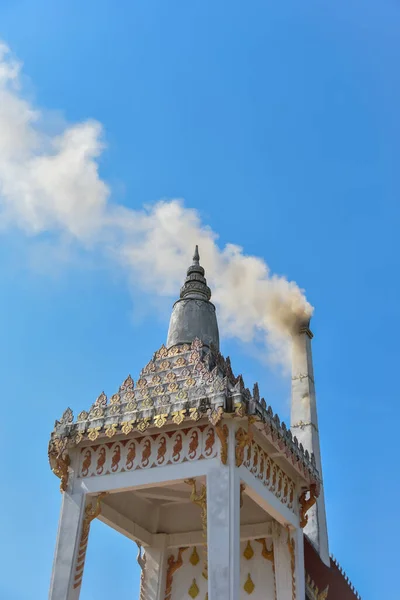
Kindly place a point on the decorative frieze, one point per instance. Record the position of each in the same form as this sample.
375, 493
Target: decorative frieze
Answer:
172, 566
146, 452
257, 461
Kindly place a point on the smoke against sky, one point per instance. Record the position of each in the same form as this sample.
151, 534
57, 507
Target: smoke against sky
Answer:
51, 182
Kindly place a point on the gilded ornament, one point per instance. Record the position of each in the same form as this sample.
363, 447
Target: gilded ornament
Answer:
182, 395
292, 547
177, 448
162, 352
216, 415
128, 384
111, 430
243, 440
143, 424
156, 379
194, 557
116, 457
306, 504
178, 417
201, 500
150, 367
101, 460
129, 396
170, 376
114, 410
190, 382
115, 399
194, 414
101, 400
185, 373
127, 427
83, 416
194, 444
67, 417
210, 440
62, 463
93, 433
162, 449
194, 590
130, 456
248, 551
159, 390
172, 566
267, 554
96, 413
249, 585
160, 420
223, 434
164, 365
87, 461
148, 402
165, 399
174, 351
131, 406
142, 383
91, 512
146, 453
181, 362
78, 438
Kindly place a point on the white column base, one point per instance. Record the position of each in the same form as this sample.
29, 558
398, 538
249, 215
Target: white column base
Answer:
68, 536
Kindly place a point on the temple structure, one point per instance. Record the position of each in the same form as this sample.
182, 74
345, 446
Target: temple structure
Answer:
223, 500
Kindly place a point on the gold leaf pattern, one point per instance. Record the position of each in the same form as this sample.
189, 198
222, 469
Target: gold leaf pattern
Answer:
164, 365
194, 590
115, 399
156, 379
111, 430
178, 416
248, 551
93, 433
194, 557
173, 387
142, 383
129, 396
143, 424
181, 362
160, 420
249, 585
127, 427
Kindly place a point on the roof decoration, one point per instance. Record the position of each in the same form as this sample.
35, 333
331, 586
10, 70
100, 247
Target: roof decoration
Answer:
182, 383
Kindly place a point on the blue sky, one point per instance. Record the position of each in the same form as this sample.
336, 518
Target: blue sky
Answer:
279, 123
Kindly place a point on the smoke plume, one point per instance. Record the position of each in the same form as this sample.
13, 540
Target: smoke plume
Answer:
49, 181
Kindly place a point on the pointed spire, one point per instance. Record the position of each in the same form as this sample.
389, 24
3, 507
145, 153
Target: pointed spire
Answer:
195, 285
193, 315
196, 256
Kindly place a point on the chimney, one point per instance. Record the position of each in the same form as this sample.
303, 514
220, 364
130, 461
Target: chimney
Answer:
304, 425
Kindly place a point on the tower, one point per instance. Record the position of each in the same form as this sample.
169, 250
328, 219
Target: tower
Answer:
194, 468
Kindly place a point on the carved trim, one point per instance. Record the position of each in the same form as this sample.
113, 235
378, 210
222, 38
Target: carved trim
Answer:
292, 547
201, 500
243, 440
306, 504
313, 591
173, 566
91, 513
222, 432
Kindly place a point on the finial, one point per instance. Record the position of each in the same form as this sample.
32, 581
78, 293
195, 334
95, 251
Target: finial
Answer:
196, 256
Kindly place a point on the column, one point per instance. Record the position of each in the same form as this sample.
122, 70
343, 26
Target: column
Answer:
223, 527
152, 585
67, 544
298, 537
282, 562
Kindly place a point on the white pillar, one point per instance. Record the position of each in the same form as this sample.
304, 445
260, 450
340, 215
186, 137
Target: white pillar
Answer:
223, 527
283, 573
298, 538
67, 544
154, 570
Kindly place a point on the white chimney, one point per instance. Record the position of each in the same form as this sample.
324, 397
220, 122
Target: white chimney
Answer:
304, 425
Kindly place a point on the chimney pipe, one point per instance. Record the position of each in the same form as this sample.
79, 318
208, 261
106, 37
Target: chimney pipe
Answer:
304, 425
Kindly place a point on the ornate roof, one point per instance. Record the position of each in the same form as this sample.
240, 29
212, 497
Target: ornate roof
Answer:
182, 383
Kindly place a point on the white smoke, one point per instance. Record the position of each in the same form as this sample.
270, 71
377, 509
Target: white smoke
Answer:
50, 182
